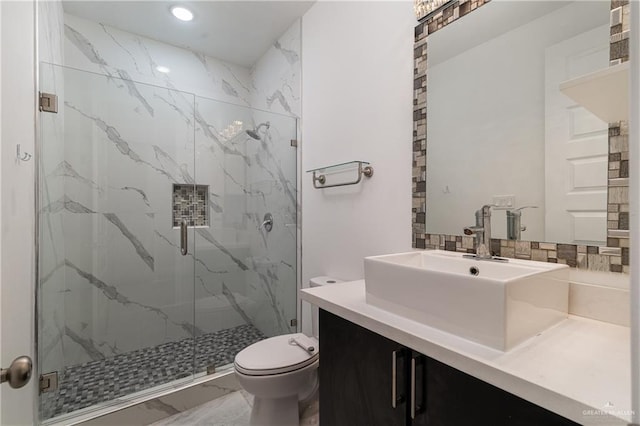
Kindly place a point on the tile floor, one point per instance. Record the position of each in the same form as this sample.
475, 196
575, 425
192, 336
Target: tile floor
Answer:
103, 380
233, 409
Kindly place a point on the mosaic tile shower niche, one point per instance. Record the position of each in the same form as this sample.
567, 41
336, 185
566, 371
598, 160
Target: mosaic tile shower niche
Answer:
612, 257
191, 204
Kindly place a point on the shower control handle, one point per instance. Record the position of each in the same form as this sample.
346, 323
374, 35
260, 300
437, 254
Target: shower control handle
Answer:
183, 238
267, 222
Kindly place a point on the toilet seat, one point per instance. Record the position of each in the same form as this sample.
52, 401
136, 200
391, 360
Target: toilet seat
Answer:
274, 355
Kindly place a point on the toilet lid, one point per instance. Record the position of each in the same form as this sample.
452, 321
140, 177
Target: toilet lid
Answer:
274, 355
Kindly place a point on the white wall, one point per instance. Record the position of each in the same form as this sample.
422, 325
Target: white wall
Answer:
17, 204
357, 67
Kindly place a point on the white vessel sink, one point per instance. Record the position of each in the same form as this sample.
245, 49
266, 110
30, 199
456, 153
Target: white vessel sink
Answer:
503, 305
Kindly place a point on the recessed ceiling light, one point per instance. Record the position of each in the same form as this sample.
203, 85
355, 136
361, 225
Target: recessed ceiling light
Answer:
182, 13
162, 69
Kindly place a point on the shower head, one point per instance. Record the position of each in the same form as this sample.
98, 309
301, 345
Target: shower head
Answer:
254, 133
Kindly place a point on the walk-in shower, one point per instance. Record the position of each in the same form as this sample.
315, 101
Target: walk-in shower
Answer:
130, 156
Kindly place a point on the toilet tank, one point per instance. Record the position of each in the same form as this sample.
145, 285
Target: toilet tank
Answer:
318, 282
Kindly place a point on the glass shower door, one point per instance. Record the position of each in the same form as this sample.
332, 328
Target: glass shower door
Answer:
246, 270
115, 290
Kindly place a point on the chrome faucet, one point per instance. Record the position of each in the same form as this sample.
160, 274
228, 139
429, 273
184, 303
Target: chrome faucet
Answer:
482, 231
514, 222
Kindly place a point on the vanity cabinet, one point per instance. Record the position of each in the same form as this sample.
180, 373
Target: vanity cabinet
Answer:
355, 376
362, 374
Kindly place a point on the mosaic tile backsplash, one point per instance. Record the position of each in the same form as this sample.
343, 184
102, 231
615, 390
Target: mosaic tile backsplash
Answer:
190, 205
618, 197
615, 256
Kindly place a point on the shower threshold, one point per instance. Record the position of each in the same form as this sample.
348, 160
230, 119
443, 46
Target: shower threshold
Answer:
113, 380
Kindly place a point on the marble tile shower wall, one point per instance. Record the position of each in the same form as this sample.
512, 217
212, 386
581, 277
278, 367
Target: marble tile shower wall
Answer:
106, 50
257, 276
275, 78
272, 185
111, 277
273, 189
125, 285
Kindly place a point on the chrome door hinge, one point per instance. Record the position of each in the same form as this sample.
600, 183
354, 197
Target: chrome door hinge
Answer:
49, 382
49, 102
294, 143
294, 322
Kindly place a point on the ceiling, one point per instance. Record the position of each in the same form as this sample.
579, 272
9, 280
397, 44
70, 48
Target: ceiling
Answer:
238, 31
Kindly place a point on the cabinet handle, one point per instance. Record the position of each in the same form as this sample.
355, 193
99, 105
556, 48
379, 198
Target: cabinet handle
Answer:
394, 378
417, 407
413, 388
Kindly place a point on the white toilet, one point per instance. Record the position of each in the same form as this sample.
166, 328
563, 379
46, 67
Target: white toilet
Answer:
280, 374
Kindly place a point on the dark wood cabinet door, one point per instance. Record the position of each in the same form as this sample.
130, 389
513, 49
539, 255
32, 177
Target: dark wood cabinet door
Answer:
453, 398
356, 376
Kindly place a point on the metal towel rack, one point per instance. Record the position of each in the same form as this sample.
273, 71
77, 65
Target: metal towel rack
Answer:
319, 176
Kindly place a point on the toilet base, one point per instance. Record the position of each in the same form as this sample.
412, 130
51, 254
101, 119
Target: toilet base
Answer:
275, 412
277, 391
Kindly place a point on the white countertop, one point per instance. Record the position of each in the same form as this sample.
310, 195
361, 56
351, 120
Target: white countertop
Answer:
579, 368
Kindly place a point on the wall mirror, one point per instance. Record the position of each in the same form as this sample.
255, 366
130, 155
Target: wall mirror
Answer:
501, 132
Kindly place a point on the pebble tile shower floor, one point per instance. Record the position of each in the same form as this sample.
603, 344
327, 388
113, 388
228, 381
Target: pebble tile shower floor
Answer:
98, 381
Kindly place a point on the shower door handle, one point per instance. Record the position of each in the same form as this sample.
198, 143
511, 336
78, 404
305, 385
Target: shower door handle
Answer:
183, 238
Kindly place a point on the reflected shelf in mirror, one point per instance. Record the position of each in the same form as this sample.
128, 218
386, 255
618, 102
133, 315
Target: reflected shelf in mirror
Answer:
604, 92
